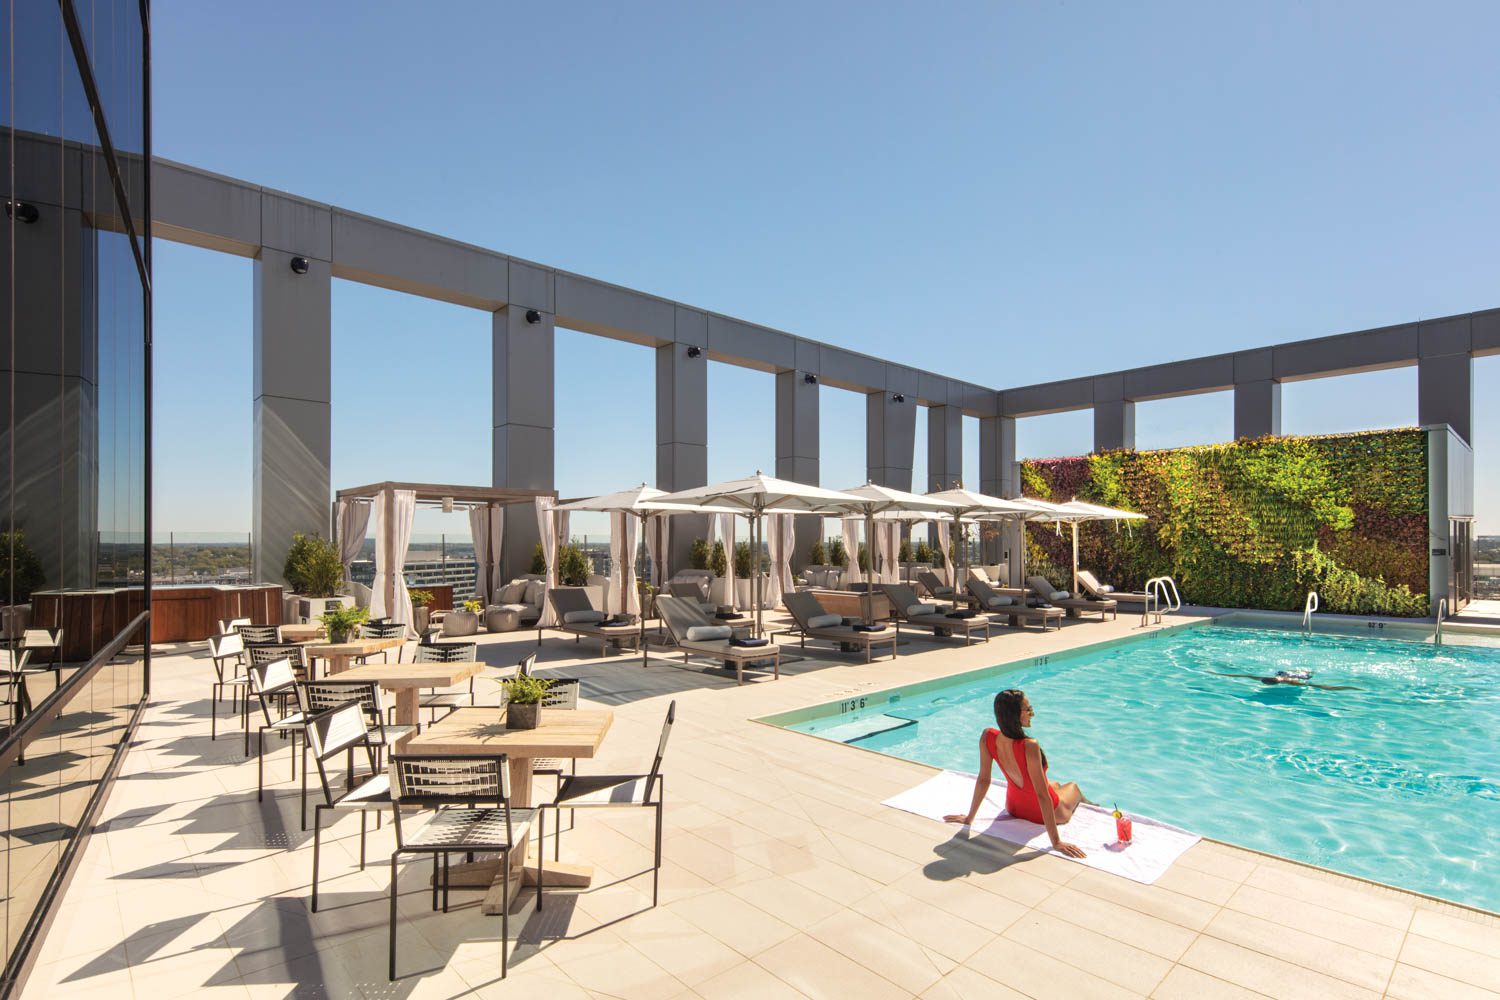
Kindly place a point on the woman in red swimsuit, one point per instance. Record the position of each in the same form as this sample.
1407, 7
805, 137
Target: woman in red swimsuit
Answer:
1024, 765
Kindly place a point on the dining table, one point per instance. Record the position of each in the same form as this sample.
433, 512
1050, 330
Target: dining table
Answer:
482, 732
303, 633
407, 680
340, 655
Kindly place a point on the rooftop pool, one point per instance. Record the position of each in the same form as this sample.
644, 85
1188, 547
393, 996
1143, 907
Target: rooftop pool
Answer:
1396, 780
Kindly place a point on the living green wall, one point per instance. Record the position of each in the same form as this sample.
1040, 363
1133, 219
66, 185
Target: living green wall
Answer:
1253, 524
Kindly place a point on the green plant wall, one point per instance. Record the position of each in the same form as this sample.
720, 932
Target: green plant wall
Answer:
1253, 524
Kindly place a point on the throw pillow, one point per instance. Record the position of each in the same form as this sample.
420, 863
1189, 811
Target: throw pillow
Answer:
1059, 595
583, 617
912, 610
824, 621
706, 633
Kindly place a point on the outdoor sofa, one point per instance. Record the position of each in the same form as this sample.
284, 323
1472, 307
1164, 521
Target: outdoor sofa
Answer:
909, 609
816, 622
684, 620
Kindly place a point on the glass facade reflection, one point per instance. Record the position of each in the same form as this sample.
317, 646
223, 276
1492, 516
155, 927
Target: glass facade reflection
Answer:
74, 409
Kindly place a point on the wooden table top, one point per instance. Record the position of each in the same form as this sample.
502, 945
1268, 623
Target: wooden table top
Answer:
562, 733
396, 676
301, 633
355, 647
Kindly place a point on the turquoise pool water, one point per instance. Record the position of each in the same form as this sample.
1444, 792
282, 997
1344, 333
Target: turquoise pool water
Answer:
1398, 781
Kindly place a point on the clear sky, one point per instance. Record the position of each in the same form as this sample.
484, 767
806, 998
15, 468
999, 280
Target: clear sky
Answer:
1006, 192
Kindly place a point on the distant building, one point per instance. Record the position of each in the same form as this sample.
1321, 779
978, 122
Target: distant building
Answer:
460, 573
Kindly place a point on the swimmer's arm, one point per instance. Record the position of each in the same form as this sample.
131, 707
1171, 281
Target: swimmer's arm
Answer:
981, 785
1044, 799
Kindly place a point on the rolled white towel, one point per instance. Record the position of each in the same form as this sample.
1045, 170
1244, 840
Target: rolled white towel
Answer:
913, 610
583, 617
705, 633
1059, 595
1001, 601
824, 621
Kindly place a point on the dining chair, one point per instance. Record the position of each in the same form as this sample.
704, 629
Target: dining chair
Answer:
274, 684
445, 652
325, 695
344, 729
228, 655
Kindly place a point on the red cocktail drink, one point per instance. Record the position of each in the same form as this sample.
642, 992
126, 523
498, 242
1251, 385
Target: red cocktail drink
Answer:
1123, 829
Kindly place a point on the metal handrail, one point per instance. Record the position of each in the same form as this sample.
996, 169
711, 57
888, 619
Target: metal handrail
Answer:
1308, 607
1161, 595
1441, 614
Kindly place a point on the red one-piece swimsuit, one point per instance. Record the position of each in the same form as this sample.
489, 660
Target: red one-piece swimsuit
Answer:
1020, 800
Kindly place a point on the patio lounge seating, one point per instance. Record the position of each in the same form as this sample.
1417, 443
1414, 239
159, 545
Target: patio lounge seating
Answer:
577, 616
228, 655
1097, 591
813, 622
689, 590
912, 611
1074, 606
935, 587
321, 696
682, 619
1014, 610
342, 729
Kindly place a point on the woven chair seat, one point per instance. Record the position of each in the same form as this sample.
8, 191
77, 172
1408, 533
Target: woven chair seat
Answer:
469, 829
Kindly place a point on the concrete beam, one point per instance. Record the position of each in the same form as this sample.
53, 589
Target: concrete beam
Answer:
1114, 425
681, 418
945, 447
1445, 393
797, 449
523, 426
1257, 408
375, 252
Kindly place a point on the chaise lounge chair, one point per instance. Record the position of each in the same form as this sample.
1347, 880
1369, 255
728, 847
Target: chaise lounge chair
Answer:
1094, 589
683, 619
1075, 606
690, 591
815, 622
909, 609
1013, 609
936, 588
576, 616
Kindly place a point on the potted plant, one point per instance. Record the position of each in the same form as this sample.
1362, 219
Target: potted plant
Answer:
538, 561
314, 574
817, 555
21, 574
698, 554
573, 567
420, 599
523, 701
341, 620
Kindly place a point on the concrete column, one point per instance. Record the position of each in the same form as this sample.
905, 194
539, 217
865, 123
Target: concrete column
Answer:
1445, 376
293, 416
890, 437
797, 429
999, 477
1114, 425
682, 423
522, 441
1257, 408
945, 447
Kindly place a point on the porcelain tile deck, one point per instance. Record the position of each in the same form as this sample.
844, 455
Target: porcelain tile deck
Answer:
784, 876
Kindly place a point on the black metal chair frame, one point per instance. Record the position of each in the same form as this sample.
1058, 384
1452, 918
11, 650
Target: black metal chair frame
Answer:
324, 735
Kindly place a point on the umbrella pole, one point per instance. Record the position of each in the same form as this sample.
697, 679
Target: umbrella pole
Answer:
870, 567
1075, 558
648, 523
755, 532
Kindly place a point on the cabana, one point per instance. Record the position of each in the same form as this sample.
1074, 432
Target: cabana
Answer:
394, 506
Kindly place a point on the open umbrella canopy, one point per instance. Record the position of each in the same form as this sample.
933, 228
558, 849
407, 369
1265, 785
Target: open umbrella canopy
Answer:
875, 499
1096, 512
761, 494
979, 505
641, 499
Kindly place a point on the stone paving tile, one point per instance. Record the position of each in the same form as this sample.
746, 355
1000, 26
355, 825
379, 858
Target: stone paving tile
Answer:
783, 876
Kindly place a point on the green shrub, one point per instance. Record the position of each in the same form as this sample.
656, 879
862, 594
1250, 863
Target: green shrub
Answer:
525, 690
342, 621
864, 559
419, 598
698, 554
904, 554
312, 566
837, 554
22, 572
718, 561
924, 553
742, 560
817, 555
538, 560
573, 567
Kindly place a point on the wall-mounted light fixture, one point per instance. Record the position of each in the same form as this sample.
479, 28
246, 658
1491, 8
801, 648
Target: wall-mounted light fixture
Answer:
22, 211
694, 351
533, 317
300, 265
810, 378
898, 398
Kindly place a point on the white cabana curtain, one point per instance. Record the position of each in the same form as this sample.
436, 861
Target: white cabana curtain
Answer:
889, 533
497, 550
941, 536
657, 545
353, 520
622, 546
851, 546
395, 512
546, 526
479, 531
780, 538
726, 535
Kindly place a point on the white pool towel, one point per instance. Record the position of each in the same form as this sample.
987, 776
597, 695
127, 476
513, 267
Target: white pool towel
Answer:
1151, 852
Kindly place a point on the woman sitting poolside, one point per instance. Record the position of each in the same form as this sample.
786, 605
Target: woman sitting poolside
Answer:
1024, 765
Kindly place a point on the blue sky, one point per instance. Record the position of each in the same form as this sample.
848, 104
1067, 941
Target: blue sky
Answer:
1010, 193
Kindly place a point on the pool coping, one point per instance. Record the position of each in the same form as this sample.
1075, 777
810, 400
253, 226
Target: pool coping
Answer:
1205, 617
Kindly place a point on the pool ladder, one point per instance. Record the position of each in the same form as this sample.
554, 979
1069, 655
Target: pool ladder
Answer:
1161, 595
1442, 613
1308, 607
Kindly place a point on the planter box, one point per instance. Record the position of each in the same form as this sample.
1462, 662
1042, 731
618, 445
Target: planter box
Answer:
305, 610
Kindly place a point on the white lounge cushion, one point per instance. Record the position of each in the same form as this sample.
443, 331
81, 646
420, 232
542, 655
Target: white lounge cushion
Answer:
1106, 588
533, 593
824, 621
583, 617
512, 593
1001, 601
913, 610
1059, 595
707, 633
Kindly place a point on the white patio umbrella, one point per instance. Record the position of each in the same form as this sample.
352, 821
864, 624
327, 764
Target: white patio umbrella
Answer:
755, 496
1072, 513
980, 506
643, 503
873, 500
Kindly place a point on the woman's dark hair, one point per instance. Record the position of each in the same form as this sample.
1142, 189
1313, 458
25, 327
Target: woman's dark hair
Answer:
1008, 716
1008, 713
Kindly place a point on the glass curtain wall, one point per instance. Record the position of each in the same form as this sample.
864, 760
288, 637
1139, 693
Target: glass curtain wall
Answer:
74, 462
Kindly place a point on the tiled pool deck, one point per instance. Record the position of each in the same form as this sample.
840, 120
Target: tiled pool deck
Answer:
784, 876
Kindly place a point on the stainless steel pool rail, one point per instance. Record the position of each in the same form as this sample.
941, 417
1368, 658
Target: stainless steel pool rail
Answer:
1442, 613
1161, 595
1308, 607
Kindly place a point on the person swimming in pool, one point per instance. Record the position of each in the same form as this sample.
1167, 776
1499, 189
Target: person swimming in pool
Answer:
1296, 678
1028, 793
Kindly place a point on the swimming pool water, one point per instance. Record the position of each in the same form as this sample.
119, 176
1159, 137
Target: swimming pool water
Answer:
1398, 781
